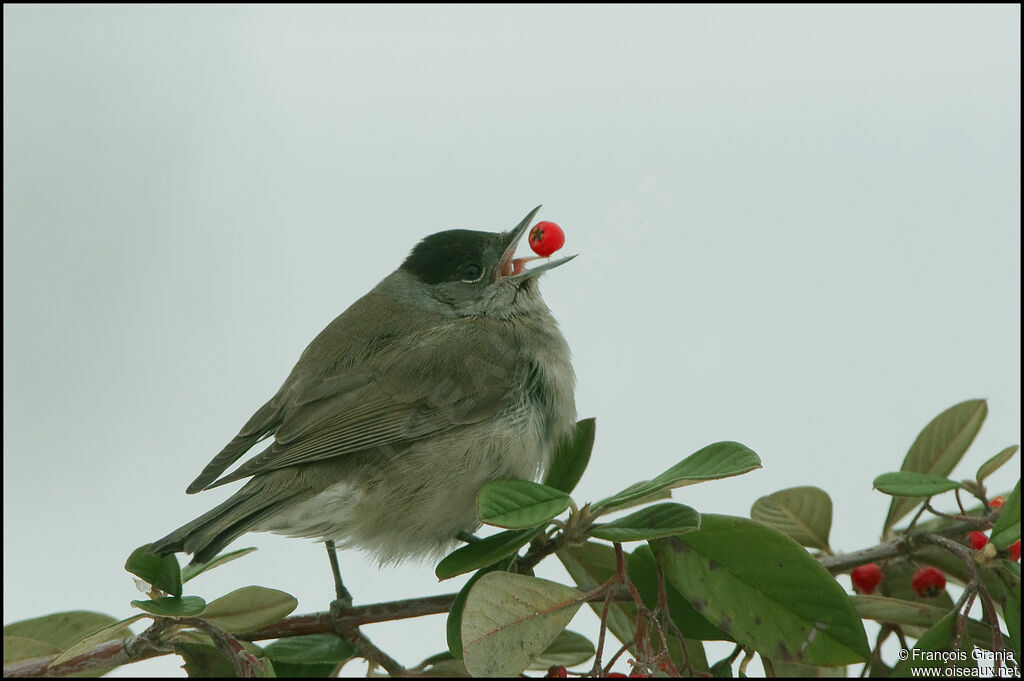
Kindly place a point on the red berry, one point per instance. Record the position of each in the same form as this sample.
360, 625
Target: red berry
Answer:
865, 578
928, 582
556, 671
546, 238
997, 502
1013, 551
976, 539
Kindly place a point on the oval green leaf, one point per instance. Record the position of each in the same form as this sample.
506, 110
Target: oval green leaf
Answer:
938, 448
803, 513
453, 625
905, 484
509, 620
163, 572
519, 504
1007, 527
718, 460
487, 551
660, 520
50, 634
249, 608
765, 590
995, 463
168, 606
571, 457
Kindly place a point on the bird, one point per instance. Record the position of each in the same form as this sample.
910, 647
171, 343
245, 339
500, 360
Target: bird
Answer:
450, 373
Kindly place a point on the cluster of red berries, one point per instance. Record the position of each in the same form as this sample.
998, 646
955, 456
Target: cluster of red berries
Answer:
978, 540
926, 582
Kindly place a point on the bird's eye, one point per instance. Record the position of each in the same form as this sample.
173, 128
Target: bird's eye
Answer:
471, 273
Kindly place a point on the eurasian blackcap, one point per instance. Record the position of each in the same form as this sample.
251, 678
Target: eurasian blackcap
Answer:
450, 373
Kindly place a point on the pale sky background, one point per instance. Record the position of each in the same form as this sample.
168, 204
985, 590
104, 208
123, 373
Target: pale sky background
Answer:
798, 228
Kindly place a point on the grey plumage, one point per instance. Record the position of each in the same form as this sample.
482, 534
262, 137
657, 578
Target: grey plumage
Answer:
427, 387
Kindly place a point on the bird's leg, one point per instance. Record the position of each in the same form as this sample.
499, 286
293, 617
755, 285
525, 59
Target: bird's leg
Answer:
344, 598
467, 537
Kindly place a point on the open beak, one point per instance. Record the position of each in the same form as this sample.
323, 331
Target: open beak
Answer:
512, 268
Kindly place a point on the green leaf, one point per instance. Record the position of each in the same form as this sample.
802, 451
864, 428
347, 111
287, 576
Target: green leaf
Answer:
1009, 600
442, 665
83, 645
906, 613
718, 460
568, 649
509, 620
50, 634
571, 457
938, 448
204, 661
804, 513
519, 504
765, 590
995, 463
1007, 527
169, 606
795, 670
590, 565
249, 608
913, 484
643, 572
163, 572
487, 551
310, 649
190, 571
660, 520
453, 625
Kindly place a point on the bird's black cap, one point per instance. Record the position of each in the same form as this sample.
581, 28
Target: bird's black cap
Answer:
445, 256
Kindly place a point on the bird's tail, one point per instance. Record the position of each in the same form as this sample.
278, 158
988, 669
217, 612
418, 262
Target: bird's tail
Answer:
207, 535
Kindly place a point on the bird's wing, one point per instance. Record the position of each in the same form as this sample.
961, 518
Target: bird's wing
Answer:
445, 381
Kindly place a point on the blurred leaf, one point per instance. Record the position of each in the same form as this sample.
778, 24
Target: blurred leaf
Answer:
204, 661
487, 551
190, 571
1007, 527
571, 457
764, 589
718, 460
1009, 600
568, 649
660, 520
249, 608
168, 606
940, 637
905, 613
112, 631
50, 634
310, 649
795, 670
509, 620
519, 504
913, 484
590, 565
643, 572
803, 513
163, 572
938, 448
442, 665
995, 463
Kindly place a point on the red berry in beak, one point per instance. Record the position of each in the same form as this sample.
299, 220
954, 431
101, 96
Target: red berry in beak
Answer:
928, 582
865, 578
546, 238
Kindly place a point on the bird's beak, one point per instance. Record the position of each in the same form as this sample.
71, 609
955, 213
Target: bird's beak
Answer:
510, 267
